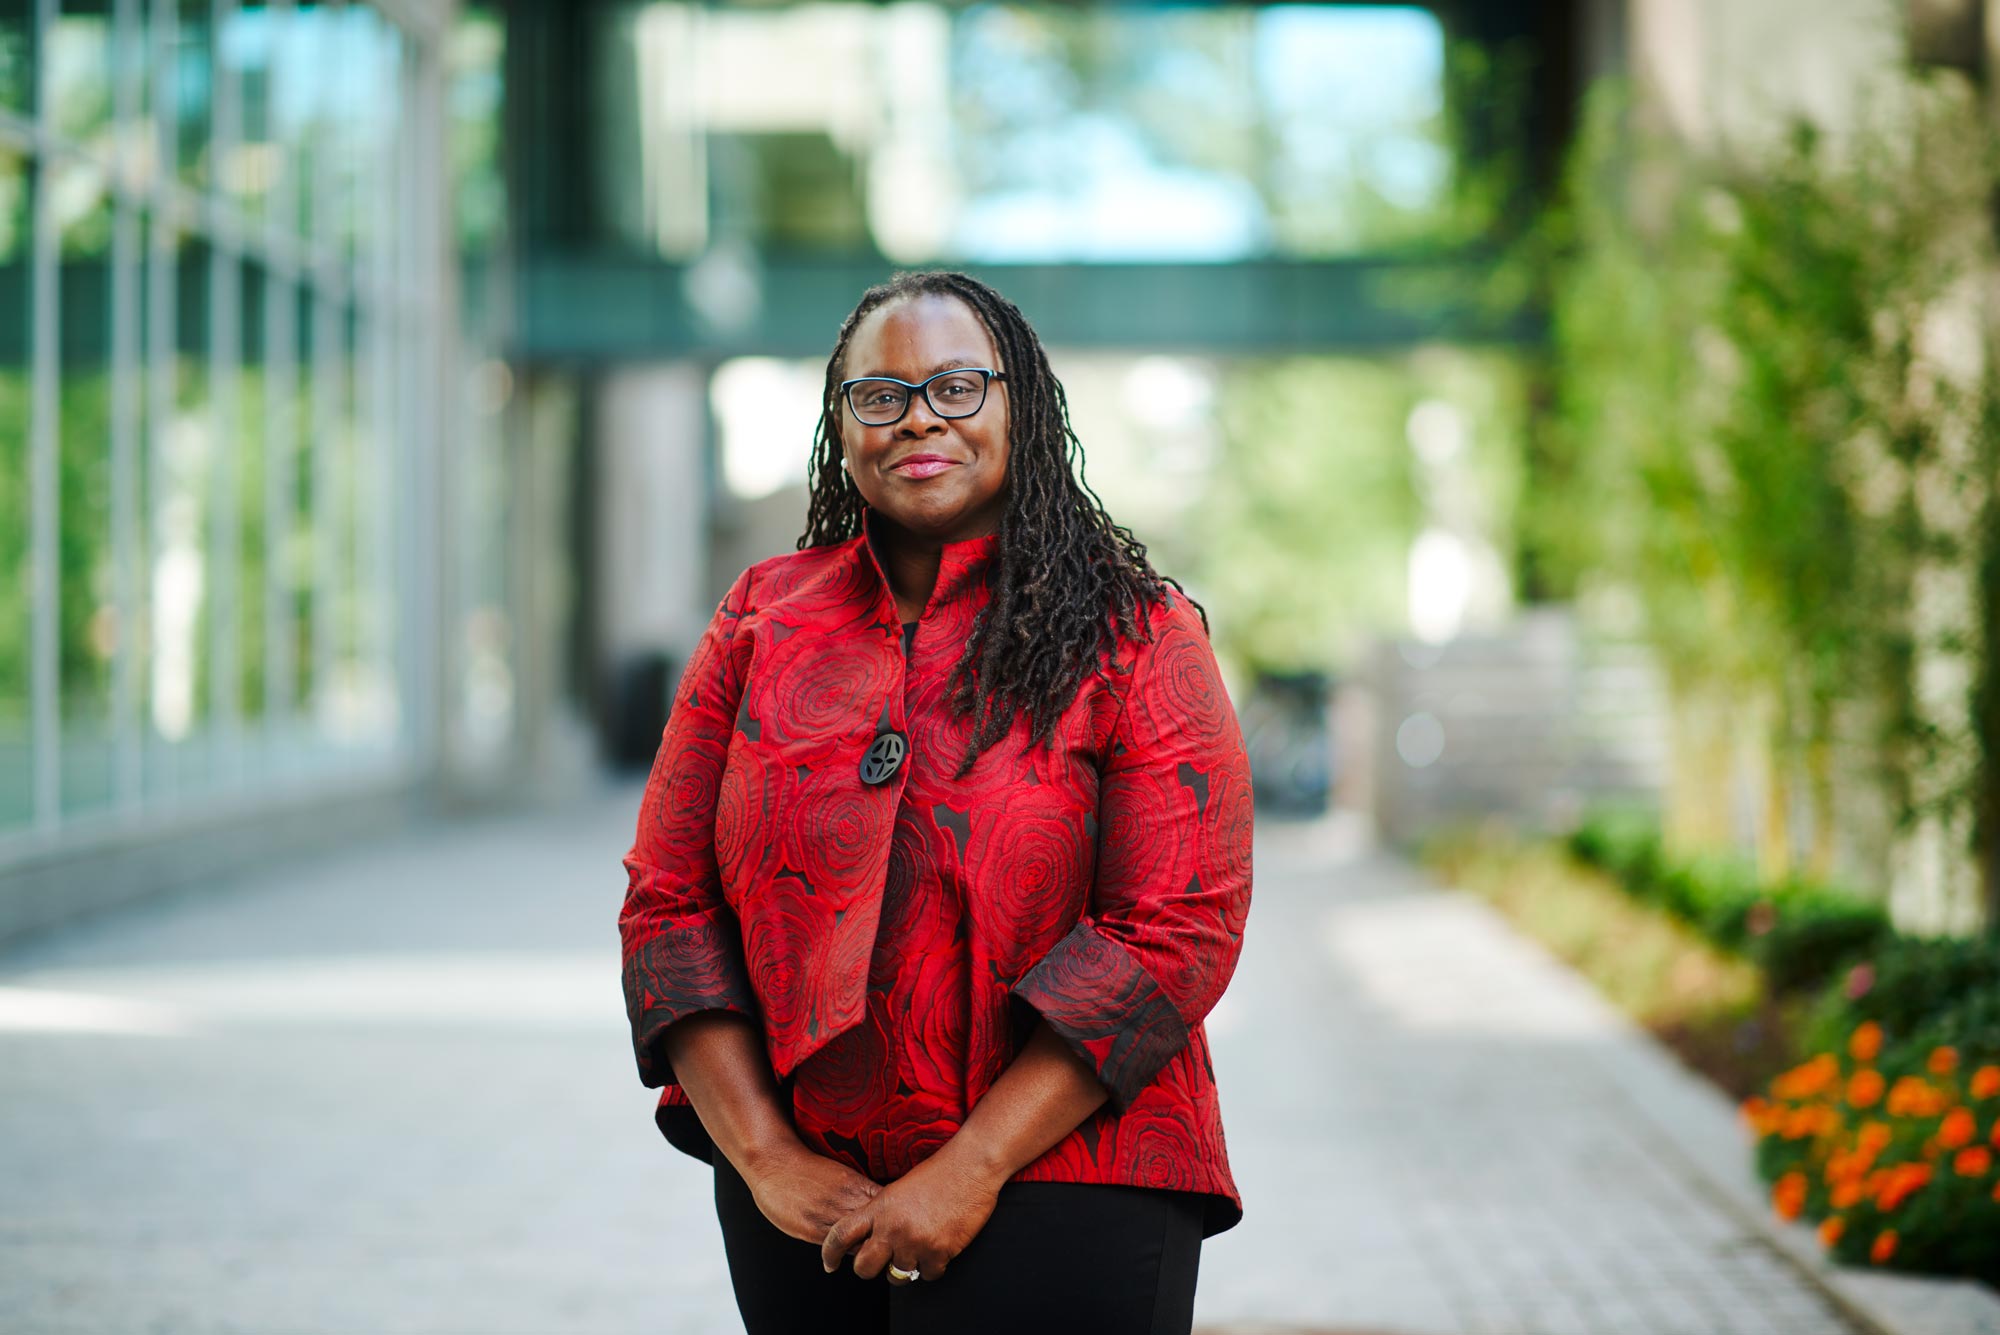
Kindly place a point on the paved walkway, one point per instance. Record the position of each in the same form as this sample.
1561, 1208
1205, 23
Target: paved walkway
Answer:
392, 1094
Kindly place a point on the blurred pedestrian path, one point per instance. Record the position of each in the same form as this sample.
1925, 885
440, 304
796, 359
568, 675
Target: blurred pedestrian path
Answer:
392, 1092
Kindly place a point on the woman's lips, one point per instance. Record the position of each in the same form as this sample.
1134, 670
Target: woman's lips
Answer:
923, 465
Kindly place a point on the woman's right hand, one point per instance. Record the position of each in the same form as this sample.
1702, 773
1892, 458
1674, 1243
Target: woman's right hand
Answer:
804, 1193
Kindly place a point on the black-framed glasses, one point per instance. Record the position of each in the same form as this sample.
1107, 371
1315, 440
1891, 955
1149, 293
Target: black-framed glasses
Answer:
880, 400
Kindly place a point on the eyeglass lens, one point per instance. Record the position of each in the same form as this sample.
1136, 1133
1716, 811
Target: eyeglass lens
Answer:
954, 394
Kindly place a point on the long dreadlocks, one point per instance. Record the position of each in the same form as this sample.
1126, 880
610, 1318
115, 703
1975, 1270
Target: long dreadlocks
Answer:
1065, 578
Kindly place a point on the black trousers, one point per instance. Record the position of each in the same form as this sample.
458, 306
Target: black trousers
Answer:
1055, 1257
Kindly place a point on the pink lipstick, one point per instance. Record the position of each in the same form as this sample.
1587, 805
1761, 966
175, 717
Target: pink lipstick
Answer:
923, 465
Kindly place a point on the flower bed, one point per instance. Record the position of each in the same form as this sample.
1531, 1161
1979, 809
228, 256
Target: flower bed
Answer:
1886, 1128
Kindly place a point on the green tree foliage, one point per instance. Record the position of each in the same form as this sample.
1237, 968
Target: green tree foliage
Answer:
1771, 395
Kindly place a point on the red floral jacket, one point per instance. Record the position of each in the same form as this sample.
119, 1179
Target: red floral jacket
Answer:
805, 856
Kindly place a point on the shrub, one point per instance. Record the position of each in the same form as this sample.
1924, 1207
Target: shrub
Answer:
1889, 1134
1800, 933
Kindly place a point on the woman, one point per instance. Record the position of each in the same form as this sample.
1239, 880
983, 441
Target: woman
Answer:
943, 860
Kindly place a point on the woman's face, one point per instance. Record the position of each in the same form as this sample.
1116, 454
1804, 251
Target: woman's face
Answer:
940, 478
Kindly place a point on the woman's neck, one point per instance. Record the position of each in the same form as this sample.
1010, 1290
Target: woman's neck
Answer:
912, 569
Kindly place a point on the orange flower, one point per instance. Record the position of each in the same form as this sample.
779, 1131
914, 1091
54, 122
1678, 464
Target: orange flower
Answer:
1847, 1195
1788, 1195
1995, 1137
1874, 1137
1957, 1129
1885, 1246
1753, 1109
1913, 1096
1986, 1082
1830, 1229
1865, 1042
1943, 1061
1864, 1088
1802, 1122
1973, 1162
1807, 1078
1904, 1181
1996, 1191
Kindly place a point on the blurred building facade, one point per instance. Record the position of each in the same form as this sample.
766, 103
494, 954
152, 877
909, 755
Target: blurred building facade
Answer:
387, 390
228, 304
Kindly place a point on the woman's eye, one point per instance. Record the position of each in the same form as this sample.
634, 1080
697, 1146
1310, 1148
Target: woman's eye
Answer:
956, 389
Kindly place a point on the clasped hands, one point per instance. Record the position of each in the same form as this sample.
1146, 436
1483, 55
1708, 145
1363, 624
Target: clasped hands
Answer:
919, 1222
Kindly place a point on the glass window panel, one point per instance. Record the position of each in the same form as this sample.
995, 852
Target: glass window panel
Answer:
337, 587
1028, 132
250, 494
88, 632
194, 90
132, 85
16, 281
301, 102
80, 73
179, 593
17, 56
305, 535
248, 48
365, 129
475, 84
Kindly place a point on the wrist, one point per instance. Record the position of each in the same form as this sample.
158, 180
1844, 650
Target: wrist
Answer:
757, 1154
977, 1158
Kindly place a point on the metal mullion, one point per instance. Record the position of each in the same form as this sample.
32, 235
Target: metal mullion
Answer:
327, 373
418, 447
280, 427
163, 298
385, 402
224, 348
44, 686
128, 271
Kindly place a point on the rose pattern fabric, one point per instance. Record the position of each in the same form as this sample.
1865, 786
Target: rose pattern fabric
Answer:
898, 941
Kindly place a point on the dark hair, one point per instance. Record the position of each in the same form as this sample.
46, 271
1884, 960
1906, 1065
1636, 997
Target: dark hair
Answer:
1065, 578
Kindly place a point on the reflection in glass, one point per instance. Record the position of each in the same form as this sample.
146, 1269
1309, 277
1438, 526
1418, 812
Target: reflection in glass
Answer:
303, 544
88, 631
194, 90
474, 58
16, 276
78, 52
179, 591
365, 707
247, 48
17, 56
248, 443
299, 107
1028, 132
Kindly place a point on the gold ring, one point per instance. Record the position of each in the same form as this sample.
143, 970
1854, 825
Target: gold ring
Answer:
906, 1275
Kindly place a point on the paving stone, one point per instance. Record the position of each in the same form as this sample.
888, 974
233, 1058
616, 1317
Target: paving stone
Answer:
392, 1093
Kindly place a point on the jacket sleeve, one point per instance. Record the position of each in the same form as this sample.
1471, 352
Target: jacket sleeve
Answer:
1165, 924
682, 946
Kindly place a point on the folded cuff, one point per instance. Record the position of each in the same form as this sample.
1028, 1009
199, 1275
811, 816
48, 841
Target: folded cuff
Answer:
692, 966
1107, 1007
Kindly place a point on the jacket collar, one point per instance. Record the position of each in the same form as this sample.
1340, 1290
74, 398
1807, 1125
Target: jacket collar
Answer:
962, 564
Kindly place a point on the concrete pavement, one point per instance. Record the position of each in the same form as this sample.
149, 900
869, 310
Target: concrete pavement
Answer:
391, 1093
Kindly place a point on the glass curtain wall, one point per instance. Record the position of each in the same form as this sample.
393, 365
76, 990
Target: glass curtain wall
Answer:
211, 289
1027, 132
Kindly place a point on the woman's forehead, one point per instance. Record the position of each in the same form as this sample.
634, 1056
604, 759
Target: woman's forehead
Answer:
913, 337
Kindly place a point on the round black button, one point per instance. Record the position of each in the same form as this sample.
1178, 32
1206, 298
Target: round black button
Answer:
884, 758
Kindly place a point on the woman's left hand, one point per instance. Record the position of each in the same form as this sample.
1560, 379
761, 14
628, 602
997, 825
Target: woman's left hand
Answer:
919, 1222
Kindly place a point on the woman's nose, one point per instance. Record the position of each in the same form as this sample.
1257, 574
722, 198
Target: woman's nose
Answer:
921, 419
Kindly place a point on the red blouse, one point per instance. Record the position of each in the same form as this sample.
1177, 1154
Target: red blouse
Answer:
896, 929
